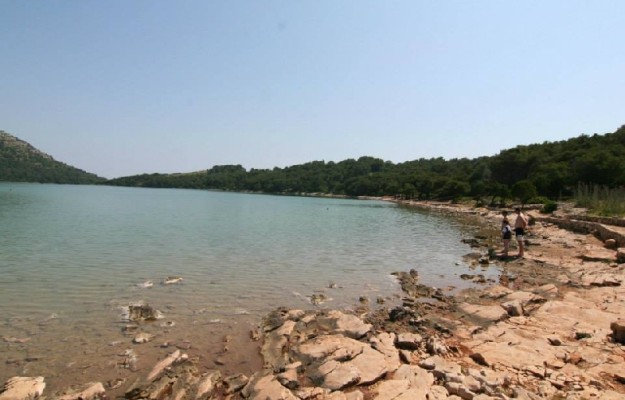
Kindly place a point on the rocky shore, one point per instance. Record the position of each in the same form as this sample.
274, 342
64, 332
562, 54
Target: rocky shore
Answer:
552, 326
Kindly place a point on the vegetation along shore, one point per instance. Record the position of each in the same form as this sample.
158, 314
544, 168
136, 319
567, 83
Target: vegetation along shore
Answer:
537, 172
552, 326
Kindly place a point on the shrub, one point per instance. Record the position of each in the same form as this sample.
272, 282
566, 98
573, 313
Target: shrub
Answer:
549, 207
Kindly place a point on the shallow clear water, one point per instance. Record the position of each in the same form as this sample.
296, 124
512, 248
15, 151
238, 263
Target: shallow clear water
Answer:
71, 257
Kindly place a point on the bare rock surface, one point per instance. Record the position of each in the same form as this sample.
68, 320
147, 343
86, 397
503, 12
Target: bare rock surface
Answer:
23, 388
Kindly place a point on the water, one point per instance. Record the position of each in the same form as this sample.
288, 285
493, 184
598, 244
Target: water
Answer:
72, 256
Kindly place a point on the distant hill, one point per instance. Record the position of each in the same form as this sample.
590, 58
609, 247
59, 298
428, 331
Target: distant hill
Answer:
21, 162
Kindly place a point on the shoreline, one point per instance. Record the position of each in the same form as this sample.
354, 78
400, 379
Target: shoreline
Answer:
542, 331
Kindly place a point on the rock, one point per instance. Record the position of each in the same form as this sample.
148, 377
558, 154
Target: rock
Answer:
170, 280
620, 255
554, 340
438, 393
408, 341
458, 389
601, 280
288, 378
207, 385
141, 312
335, 375
354, 395
336, 361
307, 393
396, 389
145, 285
142, 338
483, 313
93, 391
548, 290
496, 292
440, 367
522, 394
527, 300
618, 331
339, 323
23, 388
166, 363
471, 242
513, 308
490, 381
419, 379
234, 383
601, 255
610, 244
275, 342
479, 358
318, 298
574, 358
385, 344
434, 346
328, 347
9, 339
275, 319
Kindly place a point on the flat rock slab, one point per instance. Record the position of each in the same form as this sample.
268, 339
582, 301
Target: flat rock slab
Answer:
266, 387
598, 254
483, 313
334, 347
23, 388
92, 391
602, 280
346, 324
335, 362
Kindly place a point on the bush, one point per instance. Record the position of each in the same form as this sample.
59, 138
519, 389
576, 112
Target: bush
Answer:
549, 207
539, 200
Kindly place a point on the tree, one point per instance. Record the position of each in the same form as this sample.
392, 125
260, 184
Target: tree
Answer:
524, 191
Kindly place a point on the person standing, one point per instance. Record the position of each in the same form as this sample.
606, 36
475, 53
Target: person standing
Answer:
506, 232
520, 224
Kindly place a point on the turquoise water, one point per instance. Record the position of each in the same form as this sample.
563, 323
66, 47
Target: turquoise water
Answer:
72, 256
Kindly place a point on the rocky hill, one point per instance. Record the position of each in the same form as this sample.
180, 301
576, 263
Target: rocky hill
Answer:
21, 162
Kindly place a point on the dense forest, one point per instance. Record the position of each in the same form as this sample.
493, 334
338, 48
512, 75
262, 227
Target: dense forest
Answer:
548, 170
21, 162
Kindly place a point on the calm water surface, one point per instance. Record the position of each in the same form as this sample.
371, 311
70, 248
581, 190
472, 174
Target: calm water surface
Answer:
72, 256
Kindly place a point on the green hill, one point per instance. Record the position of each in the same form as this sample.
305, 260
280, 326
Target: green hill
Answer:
21, 162
550, 169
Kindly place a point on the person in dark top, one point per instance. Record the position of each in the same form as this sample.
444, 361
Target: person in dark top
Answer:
506, 232
520, 224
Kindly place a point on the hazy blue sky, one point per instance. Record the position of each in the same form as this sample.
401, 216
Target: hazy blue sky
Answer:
124, 87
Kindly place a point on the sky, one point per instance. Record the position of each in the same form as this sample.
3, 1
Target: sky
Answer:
120, 88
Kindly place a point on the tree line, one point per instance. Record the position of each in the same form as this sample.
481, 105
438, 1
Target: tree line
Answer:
549, 170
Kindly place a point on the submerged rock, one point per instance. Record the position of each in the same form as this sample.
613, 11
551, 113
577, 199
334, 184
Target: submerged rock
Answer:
145, 285
170, 280
142, 338
140, 312
318, 298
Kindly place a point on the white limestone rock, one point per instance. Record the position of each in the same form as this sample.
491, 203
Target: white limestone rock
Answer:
23, 388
